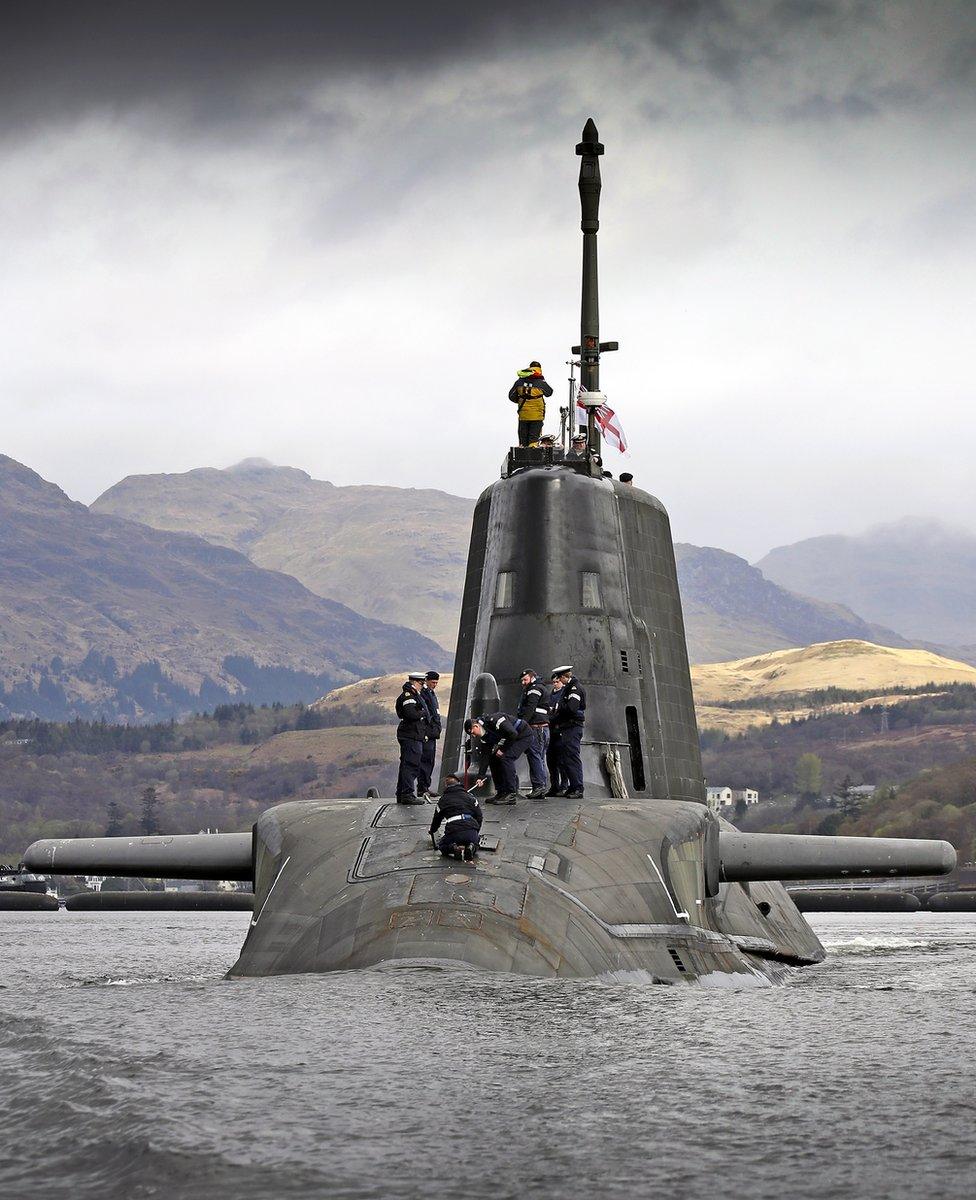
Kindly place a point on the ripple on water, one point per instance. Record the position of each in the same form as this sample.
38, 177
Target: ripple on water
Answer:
133, 1069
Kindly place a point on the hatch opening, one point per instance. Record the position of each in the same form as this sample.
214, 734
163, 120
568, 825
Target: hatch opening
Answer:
636, 750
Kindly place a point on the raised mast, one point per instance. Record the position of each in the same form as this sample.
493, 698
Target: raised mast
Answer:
589, 150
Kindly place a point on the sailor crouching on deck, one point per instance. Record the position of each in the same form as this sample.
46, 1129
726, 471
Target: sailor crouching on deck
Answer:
461, 815
412, 732
504, 740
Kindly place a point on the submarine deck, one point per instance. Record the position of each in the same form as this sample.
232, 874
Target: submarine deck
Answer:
561, 888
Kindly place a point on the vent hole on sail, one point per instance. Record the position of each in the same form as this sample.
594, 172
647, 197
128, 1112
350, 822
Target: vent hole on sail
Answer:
624, 662
676, 959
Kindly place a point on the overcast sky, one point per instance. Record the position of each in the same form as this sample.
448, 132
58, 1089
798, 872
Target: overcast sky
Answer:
331, 240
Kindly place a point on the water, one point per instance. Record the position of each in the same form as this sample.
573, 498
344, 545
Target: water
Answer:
130, 1068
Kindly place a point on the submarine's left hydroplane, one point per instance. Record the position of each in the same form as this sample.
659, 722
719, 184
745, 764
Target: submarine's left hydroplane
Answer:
637, 880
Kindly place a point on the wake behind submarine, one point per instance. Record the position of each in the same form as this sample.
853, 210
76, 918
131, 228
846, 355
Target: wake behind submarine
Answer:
638, 880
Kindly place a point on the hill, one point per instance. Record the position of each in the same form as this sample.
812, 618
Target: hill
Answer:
393, 554
900, 747
356, 545
104, 616
846, 665
918, 576
381, 691
731, 610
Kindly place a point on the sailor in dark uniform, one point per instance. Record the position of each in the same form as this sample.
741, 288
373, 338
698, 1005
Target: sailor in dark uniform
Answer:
412, 733
558, 781
428, 694
567, 722
534, 708
503, 741
461, 815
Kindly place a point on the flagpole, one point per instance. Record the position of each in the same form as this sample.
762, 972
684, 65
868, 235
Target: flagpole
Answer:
568, 441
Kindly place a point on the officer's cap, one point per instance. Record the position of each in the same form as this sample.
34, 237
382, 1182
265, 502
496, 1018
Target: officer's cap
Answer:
557, 671
432, 675
416, 676
527, 671
579, 437
548, 437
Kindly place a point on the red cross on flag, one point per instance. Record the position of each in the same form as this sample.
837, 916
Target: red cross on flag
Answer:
606, 418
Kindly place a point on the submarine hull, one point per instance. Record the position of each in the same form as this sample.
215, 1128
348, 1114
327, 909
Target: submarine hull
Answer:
563, 888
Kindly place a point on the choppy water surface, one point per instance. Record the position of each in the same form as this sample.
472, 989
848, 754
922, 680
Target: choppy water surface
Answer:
132, 1069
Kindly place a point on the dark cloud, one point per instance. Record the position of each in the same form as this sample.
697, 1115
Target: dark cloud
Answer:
57, 57
220, 62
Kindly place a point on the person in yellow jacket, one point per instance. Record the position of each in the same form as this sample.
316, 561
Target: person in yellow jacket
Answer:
529, 392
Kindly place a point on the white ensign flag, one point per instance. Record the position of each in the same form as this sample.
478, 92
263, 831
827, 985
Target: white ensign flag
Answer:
606, 418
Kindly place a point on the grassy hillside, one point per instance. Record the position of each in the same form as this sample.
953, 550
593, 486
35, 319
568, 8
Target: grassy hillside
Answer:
216, 771
854, 665
901, 744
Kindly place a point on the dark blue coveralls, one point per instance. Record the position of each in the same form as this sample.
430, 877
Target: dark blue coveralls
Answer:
461, 816
567, 722
429, 749
411, 734
513, 737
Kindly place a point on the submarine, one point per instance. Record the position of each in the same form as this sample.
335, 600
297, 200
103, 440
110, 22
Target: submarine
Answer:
637, 880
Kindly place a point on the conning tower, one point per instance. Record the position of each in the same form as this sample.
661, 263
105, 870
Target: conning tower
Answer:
568, 566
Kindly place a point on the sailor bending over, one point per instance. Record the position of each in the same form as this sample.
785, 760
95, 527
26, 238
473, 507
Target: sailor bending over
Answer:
502, 742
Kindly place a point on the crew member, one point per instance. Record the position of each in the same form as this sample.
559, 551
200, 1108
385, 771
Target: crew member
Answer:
558, 782
534, 708
578, 448
504, 740
428, 694
461, 815
568, 722
626, 477
412, 733
529, 392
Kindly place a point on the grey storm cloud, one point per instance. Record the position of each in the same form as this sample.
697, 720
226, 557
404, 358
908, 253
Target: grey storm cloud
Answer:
259, 228
222, 62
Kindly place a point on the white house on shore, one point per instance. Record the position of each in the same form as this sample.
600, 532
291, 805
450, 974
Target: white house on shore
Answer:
718, 798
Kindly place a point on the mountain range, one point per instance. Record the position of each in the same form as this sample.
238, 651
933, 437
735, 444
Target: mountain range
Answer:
105, 616
394, 554
176, 592
355, 544
731, 610
916, 575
